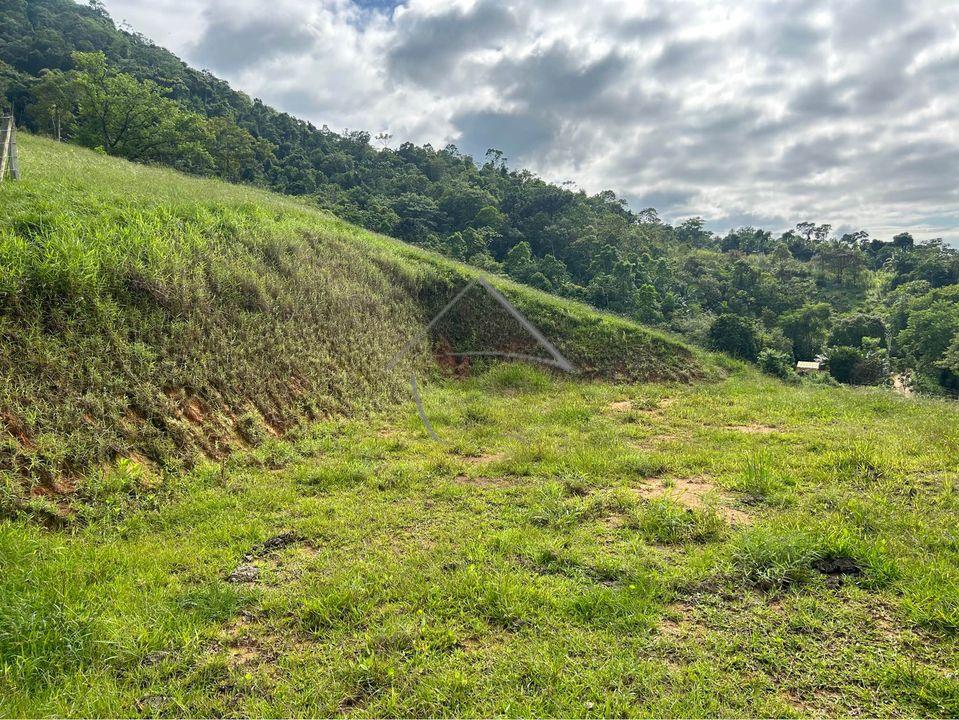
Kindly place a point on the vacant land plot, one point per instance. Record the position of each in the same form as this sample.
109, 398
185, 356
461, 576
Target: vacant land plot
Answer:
738, 547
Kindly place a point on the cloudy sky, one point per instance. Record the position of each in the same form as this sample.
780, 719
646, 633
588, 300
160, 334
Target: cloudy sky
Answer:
767, 113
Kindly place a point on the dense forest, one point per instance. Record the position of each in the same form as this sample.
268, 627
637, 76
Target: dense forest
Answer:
870, 306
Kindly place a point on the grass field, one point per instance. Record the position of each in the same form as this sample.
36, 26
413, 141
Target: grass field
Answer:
569, 549
215, 501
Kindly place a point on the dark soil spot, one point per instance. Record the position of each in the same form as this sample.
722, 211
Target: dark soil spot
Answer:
841, 565
277, 542
837, 568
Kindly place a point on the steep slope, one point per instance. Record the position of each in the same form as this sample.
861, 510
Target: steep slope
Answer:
153, 316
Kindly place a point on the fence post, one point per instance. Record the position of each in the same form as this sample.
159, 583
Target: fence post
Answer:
8, 152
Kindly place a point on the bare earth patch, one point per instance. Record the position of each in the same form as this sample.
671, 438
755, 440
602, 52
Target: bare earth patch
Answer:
648, 406
248, 642
484, 458
484, 481
754, 429
681, 622
695, 493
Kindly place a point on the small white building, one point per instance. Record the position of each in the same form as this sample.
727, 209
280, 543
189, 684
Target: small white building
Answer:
808, 366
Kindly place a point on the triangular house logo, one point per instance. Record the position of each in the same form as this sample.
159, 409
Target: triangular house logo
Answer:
555, 358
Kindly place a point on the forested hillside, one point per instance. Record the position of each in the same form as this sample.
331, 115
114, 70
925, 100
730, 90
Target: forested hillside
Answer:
872, 305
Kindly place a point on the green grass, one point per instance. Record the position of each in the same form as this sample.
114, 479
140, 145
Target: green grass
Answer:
519, 567
624, 543
160, 318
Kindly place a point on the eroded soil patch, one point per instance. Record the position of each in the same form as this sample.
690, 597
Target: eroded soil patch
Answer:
695, 493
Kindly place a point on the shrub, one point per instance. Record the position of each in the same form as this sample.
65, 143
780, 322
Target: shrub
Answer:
841, 362
666, 521
858, 367
776, 363
736, 336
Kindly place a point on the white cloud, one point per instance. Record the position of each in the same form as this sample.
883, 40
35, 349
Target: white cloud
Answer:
839, 111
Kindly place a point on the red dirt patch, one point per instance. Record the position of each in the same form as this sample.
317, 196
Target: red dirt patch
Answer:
194, 410
57, 494
448, 361
59, 487
17, 430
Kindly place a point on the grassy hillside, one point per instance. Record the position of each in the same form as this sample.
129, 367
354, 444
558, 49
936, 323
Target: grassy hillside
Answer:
614, 544
156, 318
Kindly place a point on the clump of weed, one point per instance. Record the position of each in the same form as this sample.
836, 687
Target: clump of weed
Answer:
529, 458
631, 607
778, 557
124, 476
505, 600
665, 521
12, 495
931, 599
250, 428
550, 508
617, 501
515, 377
862, 464
367, 676
273, 453
601, 462
333, 474
333, 608
770, 559
477, 414
557, 561
758, 480
576, 485
214, 601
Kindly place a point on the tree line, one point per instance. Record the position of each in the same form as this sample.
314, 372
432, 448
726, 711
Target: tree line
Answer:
869, 306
